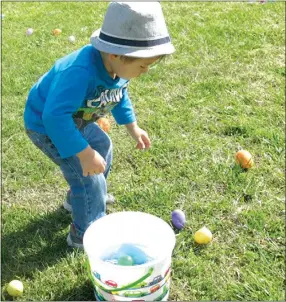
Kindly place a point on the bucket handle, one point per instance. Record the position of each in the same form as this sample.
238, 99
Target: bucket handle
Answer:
114, 290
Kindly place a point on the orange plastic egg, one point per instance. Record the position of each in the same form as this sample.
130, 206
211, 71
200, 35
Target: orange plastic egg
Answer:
244, 159
56, 32
104, 124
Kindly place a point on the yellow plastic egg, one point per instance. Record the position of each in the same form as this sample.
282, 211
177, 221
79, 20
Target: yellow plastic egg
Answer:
203, 236
15, 288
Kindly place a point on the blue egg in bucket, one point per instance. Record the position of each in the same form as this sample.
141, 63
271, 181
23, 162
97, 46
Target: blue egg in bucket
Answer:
126, 254
129, 256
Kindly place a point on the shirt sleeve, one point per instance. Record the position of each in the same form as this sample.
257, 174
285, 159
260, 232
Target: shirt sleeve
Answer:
123, 113
65, 96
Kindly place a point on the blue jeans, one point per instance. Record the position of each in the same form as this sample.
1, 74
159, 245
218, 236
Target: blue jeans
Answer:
87, 193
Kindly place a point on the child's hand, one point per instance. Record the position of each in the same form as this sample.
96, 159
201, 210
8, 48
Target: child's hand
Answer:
140, 136
91, 162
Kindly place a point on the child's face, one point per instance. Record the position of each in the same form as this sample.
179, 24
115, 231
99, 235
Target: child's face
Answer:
128, 70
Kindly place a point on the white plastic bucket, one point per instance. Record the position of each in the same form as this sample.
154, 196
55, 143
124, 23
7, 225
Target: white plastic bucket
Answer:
145, 282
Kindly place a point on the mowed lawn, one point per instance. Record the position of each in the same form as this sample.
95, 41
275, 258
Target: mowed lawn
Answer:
223, 90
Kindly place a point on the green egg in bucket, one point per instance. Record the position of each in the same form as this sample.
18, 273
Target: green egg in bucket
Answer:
129, 257
125, 260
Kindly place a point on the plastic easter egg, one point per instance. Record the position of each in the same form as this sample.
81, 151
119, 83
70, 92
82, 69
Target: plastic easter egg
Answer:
56, 32
244, 159
203, 236
15, 288
135, 252
178, 219
125, 260
71, 39
104, 124
29, 31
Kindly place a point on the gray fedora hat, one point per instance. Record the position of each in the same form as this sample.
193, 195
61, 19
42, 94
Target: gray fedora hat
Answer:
134, 29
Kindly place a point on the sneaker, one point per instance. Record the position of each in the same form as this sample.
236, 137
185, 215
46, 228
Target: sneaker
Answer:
67, 205
73, 239
110, 199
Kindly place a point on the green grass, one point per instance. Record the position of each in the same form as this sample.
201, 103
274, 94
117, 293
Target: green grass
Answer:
222, 90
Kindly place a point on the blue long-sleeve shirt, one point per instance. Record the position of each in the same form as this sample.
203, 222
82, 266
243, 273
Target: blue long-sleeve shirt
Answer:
77, 90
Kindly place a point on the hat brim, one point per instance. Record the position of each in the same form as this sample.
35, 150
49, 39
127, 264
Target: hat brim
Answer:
138, 52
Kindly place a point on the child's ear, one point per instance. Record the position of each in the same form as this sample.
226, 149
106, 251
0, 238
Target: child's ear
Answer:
113, 57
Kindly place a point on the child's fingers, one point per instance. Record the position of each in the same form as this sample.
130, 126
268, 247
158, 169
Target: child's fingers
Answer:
97, 170
147, 142
140, 144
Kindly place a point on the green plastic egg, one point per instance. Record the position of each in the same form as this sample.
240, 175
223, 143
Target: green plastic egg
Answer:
126, 260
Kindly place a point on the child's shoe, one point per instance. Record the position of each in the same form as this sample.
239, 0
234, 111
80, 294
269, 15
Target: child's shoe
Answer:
110, 199
67, 205
73, 239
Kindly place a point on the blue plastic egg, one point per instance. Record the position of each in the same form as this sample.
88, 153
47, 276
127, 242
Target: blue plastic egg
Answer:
178, 219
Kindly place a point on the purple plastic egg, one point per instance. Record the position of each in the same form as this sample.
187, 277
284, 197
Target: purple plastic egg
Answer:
178, 219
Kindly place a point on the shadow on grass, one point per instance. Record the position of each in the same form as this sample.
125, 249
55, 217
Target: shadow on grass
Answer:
198, 248
41, 244
84, 292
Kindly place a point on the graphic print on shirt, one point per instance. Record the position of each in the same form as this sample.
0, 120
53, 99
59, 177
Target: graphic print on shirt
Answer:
105, 100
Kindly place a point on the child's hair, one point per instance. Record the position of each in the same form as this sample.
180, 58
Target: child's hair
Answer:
127, 59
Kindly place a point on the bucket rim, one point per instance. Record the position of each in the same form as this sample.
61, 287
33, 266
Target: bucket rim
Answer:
149, 263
